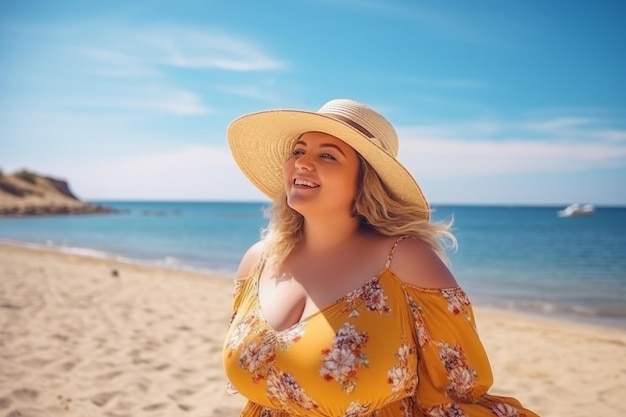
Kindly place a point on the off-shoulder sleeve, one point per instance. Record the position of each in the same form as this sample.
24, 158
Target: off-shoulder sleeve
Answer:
454, 373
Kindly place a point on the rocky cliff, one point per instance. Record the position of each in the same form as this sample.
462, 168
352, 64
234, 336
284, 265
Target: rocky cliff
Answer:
25, 193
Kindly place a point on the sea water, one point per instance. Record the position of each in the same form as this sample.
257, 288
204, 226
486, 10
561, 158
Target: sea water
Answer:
519, 258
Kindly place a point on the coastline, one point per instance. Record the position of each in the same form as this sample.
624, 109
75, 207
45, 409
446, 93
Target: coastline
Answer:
76, 339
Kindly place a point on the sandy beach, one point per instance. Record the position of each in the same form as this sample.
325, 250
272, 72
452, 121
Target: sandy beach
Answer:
93, 337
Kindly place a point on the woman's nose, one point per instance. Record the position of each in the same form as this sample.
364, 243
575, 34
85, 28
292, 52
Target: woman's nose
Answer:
303, 162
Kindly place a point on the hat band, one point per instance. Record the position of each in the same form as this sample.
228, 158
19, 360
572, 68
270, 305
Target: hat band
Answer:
351, 123
358, 127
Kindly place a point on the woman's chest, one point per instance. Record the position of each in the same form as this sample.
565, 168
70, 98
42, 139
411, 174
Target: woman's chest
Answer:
361, 347
285, 299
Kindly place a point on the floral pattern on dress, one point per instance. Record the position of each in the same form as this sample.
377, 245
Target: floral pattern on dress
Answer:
423, 337
505, 410
239, 333
371, 293
461, 377
341, 360
290, 336
406, 406
399, 377
446, 410
457, 299
259, 354
284, 387
356, 409
230, 388
266, 412
257, 357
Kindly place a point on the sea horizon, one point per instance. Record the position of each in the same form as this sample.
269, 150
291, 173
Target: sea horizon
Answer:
267, 202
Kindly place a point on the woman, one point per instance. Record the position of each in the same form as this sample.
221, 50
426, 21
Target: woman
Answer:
346, 306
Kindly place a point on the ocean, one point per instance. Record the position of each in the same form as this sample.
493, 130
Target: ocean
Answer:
518, 258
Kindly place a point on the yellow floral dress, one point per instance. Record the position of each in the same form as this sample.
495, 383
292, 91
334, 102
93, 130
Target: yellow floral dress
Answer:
385, 349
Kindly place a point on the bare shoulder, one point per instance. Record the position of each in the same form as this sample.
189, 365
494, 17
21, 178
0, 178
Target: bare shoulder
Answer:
249, 260
416, 263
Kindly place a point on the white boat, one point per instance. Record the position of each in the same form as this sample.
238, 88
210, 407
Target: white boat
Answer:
576, 210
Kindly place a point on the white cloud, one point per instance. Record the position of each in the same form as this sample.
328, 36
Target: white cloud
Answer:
265, 93
188, 48
106, 64
148, 50
190, 172
558, 123
174, 101
611, 135
151, 98
112, 63
564, 145
186, 173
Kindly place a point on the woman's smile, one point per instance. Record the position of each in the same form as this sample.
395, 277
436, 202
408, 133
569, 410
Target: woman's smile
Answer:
302, 183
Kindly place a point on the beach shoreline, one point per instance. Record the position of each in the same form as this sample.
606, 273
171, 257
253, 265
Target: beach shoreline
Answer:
494, 305
84, 336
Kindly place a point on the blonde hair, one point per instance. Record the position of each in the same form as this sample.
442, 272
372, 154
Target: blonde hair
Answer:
378, 211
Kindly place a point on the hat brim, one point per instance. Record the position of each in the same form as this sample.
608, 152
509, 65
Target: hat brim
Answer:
261, 143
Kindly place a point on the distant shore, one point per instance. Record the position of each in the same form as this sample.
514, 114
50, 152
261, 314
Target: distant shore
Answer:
26, 193
87, 337
53, 210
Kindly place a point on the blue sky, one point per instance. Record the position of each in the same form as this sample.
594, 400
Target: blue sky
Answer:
495, 102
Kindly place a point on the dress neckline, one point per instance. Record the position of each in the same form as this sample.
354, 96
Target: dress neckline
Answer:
385, 270
303, 320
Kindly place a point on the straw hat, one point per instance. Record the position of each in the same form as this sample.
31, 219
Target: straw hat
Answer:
261, 143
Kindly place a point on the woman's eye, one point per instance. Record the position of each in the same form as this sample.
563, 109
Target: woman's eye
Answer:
328, 156
297, 152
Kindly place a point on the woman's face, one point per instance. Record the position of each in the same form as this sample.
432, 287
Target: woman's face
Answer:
321, 175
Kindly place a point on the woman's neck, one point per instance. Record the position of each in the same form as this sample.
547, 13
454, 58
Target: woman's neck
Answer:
324, 234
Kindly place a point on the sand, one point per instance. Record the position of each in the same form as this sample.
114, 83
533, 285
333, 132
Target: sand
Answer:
76, 339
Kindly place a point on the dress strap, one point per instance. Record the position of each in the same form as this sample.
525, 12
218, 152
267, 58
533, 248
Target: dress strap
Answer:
393, 249
256, 271
242, 282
